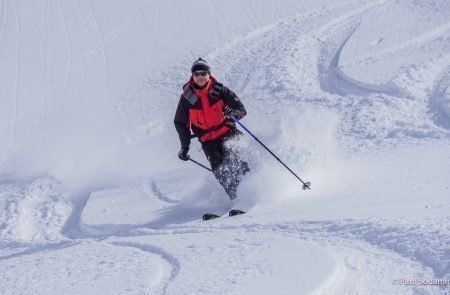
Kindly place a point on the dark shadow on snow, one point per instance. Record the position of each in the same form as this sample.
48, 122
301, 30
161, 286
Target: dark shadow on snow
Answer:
439, 103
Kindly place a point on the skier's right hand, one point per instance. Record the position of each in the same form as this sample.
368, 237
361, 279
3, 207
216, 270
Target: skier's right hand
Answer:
183, 154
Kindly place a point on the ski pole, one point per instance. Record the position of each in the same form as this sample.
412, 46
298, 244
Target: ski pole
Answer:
200, 164
306, 185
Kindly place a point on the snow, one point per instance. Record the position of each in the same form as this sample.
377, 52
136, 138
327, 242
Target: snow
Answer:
353, 96
83, 268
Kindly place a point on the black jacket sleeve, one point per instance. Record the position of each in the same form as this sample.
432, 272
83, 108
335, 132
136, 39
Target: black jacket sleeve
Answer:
181, 122
231, 99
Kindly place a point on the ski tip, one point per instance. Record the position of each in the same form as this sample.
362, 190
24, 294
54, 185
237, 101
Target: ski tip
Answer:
235, 212
209, 216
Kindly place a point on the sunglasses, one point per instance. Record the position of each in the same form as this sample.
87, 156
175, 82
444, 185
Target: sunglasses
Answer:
200, 73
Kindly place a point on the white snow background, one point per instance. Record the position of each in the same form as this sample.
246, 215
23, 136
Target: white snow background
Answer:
353, 95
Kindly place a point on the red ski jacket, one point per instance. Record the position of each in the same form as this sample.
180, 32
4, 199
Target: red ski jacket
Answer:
200, 111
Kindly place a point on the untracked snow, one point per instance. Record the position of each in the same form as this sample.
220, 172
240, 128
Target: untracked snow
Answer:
352, 95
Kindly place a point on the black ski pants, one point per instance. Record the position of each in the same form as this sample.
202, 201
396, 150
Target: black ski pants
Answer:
225, 162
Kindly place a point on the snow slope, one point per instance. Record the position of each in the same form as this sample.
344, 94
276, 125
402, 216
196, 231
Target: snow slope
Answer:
353, 95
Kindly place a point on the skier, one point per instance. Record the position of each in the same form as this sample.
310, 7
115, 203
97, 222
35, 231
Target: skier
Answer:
204, 107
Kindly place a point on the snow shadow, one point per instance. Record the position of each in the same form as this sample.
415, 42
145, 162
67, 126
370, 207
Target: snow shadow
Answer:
207, 199
334, 81
440, 102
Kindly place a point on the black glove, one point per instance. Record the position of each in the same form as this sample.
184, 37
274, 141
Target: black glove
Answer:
227, 111
229, 122
183, 154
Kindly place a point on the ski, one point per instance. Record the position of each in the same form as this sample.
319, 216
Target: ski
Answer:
234, 212
209, 216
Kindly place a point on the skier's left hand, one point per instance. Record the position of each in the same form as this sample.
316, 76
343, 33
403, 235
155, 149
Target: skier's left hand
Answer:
229, 122
227, 111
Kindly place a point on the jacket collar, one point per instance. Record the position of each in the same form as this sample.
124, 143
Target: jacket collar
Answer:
189, 91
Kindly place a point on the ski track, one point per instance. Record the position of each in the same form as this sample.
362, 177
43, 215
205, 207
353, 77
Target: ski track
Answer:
335, 82
62, 79
111, 262
14, 121
439, 101
72, 227
155, 191
334, 235
173, 262
412, 241
104, 53
409, 241
32, 249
